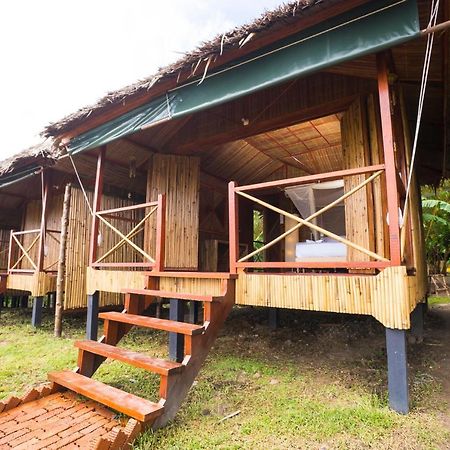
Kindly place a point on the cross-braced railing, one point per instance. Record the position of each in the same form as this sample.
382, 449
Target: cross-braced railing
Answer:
105, 217
28, 257
375, 261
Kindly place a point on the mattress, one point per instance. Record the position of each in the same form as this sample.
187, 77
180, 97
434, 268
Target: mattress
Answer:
313, 250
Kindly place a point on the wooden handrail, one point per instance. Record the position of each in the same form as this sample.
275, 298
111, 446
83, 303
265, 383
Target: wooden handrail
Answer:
128, 208
311, 178
19, 233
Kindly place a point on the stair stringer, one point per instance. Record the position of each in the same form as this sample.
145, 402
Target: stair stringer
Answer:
179, 384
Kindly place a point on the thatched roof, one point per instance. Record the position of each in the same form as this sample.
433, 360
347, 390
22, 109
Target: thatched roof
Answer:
196, 61
43, 154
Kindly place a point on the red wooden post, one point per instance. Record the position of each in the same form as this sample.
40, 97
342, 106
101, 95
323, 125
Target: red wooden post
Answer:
233, 226
160, 233
10, 250
389, 160
97, 203
43, 228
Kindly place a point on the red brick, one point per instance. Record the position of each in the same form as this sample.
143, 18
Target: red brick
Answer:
16, 434
28, 445
25, 438
63, 442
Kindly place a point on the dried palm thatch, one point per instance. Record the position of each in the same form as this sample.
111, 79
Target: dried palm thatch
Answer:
196, 62
43, 154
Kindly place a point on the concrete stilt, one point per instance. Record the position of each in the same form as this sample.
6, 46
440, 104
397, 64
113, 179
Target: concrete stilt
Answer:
176, 340
36, 315
397, 370
92, 316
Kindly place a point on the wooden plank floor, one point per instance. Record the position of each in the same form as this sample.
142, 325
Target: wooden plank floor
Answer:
58, 421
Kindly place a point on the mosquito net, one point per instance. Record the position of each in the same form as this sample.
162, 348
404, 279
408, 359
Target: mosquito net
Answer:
309, 198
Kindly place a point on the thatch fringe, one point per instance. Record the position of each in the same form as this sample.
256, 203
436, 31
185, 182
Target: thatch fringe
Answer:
43, 154
268, 22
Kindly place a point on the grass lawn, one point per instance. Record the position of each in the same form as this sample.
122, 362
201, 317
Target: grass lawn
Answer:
438, 301
319, 381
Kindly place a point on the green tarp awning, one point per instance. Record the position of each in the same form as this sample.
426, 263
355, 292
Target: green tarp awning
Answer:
366, 29
15, 177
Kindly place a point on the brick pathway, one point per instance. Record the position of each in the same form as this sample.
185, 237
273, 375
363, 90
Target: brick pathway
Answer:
60, 420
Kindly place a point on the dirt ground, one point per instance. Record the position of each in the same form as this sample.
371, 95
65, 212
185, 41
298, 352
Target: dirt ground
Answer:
318, 381
437, 344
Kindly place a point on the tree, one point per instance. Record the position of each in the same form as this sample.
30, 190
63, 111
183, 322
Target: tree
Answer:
436, 220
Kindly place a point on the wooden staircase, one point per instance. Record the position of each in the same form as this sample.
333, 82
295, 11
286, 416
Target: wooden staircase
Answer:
176, 378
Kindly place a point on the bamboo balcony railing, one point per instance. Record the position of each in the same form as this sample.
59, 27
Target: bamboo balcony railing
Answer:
155, 262
21, 254
373, 260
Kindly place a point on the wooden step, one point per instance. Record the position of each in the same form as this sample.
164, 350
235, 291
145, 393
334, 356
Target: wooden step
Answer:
129, 404
151, 322
136, 359
176, 295
208, 275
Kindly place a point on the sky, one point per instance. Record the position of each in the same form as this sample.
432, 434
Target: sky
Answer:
60, 55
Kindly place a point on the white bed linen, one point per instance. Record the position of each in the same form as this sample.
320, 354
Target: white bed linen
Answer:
320, 249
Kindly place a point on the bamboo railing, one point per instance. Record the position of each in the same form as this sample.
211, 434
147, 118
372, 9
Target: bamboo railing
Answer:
26, 254
126, 238
375, 261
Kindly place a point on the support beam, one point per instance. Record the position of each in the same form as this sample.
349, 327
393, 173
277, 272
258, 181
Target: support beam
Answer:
233, 226
176, 340
274, 316
193, 311
98, 192
417, 317
43, 228
389, 159
397, 370
24, 301
36, 315
92, 316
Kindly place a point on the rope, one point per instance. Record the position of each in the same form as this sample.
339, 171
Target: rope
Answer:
81, 184
423, 86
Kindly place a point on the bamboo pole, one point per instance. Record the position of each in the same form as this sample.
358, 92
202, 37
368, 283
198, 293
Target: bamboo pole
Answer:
59, 306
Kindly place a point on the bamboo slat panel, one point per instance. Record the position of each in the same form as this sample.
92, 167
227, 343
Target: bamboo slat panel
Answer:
4, 247
389, 296
381, 231
79, 232
358, 207
178, 177
38, 284
113, 281
117, 280
200, 286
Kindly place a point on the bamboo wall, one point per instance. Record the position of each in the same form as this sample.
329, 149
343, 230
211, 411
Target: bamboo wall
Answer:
358, 207
178, 177
4, 247
78, 241
389, 296
79, 233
